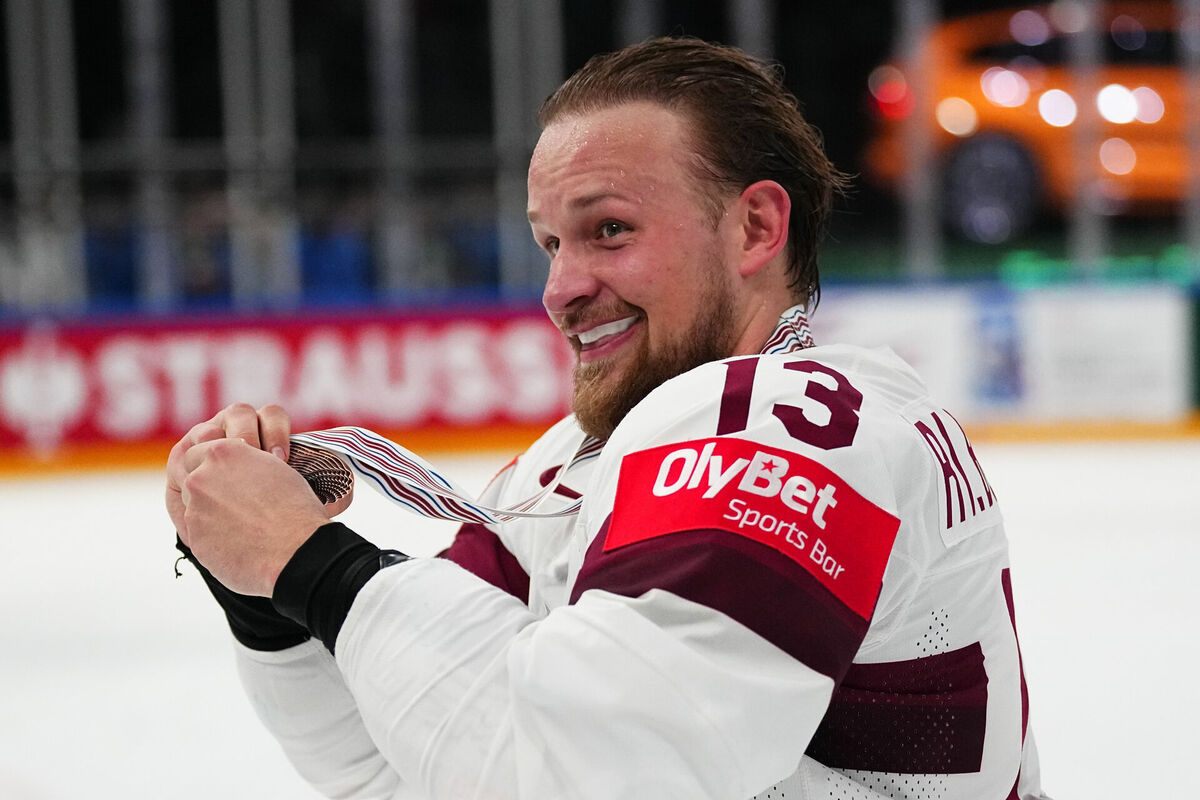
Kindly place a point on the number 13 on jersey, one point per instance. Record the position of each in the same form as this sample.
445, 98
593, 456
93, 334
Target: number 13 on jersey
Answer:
828, 418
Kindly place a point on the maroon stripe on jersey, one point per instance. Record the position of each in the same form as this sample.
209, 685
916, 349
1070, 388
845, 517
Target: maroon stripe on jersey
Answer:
1006, 582
479, 551
927, 715
552, 473
754, 584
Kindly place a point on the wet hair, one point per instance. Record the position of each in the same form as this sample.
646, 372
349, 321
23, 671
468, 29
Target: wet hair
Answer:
746, 127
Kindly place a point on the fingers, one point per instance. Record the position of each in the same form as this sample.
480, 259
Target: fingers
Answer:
218, 451
237, 421
267, 428
175, 469
274, 430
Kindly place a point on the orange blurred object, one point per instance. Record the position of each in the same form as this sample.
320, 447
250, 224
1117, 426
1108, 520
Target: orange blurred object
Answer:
1004, 104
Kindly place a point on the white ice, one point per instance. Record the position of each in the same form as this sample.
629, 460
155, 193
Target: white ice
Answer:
116, 678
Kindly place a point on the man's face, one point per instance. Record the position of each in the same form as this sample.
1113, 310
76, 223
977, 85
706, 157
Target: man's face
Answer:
639, 281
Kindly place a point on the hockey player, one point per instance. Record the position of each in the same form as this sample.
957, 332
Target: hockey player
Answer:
789, 576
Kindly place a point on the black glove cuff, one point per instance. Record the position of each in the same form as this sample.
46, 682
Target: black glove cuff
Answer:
254, 621
320, 582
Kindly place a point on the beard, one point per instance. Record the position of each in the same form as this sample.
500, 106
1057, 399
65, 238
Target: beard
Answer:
604, 393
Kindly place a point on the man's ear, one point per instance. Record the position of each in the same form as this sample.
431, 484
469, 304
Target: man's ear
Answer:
764, 209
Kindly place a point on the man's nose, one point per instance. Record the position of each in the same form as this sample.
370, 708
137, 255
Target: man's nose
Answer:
570, 283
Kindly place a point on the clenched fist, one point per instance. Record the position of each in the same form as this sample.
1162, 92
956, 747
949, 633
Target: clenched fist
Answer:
236, 503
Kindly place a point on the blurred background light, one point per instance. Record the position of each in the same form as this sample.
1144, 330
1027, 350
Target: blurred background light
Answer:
1117, 104
1004, 87
1117, 156
957, 116
1150, 106
889, 87
1128, 33
1057, 108
1069, 16
1029, 27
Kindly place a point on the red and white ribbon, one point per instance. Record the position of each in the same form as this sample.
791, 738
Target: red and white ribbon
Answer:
326, 458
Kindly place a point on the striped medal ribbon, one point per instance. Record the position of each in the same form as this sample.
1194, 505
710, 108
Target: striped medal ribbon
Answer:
327, 458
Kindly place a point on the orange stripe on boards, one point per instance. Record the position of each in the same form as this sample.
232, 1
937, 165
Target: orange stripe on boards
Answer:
26, 462
1074, 431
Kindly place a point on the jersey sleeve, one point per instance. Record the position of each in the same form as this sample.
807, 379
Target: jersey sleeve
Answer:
301, 699
726, 576
479, 550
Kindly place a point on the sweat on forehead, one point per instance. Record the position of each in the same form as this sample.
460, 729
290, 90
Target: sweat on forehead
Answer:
642, 139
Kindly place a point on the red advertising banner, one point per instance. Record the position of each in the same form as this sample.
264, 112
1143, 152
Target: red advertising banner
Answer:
97, 383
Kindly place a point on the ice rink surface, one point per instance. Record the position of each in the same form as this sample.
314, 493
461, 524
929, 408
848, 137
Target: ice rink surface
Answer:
116, 678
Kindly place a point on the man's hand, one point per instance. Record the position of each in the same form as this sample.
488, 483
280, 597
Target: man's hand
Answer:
266, 429
234, 500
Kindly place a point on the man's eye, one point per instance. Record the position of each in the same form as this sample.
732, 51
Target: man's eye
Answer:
551, 246
610, 230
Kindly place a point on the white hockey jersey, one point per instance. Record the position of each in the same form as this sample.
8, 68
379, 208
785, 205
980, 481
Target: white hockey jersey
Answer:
788, 579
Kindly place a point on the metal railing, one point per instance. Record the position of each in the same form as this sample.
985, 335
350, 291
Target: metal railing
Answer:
238, 200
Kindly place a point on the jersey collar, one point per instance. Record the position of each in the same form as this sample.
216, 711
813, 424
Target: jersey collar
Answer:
791, 334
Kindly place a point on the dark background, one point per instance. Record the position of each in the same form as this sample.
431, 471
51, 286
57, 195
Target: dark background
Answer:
826, 48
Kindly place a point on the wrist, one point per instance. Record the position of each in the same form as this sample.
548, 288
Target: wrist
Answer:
253, 620
320, 582
273, 566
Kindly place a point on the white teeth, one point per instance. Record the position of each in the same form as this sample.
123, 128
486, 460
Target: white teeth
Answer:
608, 329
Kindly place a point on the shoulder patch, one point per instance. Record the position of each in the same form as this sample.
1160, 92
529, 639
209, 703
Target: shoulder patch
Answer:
781, 499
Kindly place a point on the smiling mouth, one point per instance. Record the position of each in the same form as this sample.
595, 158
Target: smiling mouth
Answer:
594, 337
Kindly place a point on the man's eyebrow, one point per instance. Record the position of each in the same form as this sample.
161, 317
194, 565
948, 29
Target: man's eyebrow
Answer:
591, 199
583, 201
